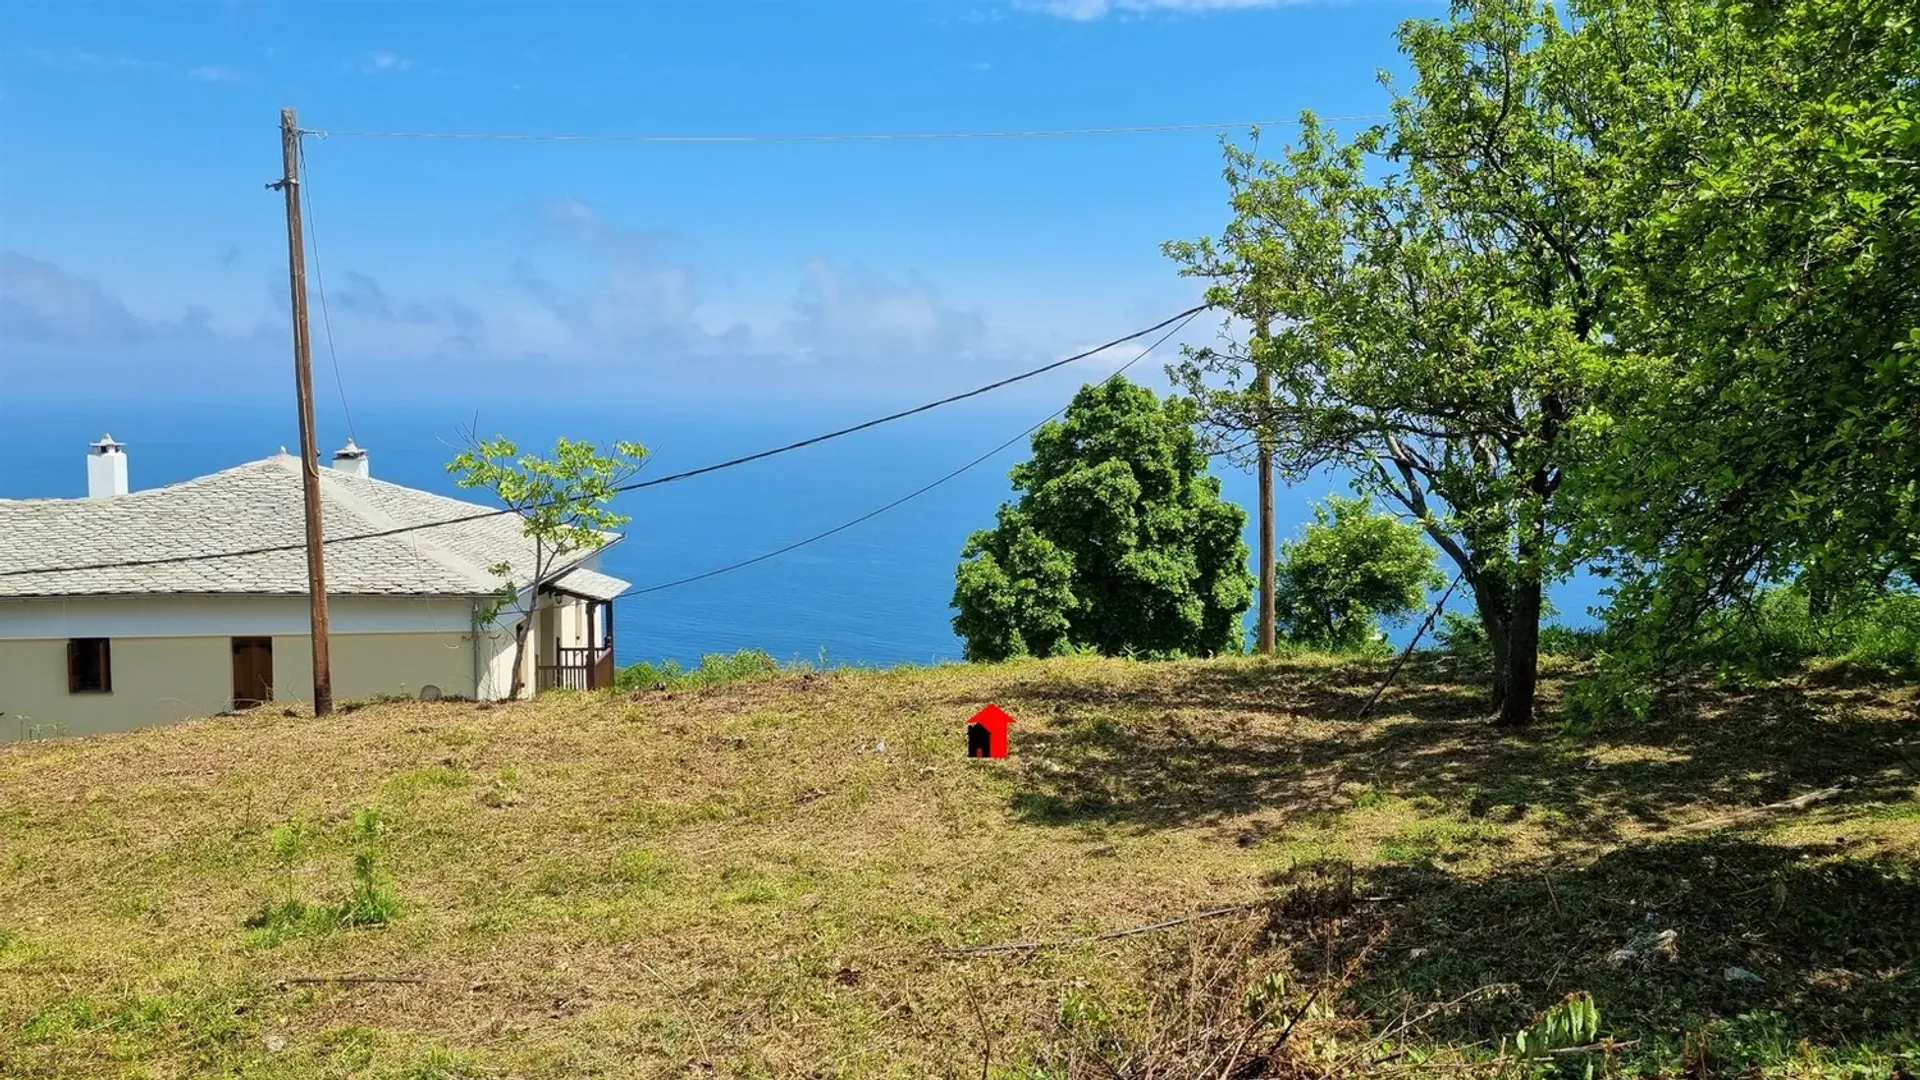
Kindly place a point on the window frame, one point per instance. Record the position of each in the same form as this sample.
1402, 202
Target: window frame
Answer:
104, 647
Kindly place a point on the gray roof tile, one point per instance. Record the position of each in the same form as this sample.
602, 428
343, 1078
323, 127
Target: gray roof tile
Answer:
256, 505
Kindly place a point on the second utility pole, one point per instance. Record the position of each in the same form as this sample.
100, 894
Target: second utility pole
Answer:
303, 391
1264, 383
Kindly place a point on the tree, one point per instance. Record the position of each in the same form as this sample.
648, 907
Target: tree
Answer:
1119, 541
1770, 433
1349, 568
561, 502
1442, 333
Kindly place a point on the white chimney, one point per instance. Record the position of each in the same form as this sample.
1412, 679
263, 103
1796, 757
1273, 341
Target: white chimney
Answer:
106, 468
351, 460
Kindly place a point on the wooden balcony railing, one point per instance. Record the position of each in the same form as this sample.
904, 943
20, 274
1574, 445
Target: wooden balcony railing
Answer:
576, 669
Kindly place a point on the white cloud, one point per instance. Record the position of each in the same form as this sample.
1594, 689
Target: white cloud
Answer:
851, 313
54, 322
85, 59
382, 60
587, 292
42, 304
1089, 10
214, 73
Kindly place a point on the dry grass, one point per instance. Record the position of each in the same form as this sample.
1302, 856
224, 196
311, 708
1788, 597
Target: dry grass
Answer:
756, 880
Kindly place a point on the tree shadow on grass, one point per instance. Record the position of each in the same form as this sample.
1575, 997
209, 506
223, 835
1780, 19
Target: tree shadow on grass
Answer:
1219, 744
1769, 945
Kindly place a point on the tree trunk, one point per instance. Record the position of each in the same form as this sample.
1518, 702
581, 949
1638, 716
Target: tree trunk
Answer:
520, 635
524, 628
1264, 624
1523, 652
1493, 600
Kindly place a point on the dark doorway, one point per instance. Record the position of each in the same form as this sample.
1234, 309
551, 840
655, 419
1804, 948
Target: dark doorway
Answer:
979, 741
252, 671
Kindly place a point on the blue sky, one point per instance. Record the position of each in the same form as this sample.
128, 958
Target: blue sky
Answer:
140, 253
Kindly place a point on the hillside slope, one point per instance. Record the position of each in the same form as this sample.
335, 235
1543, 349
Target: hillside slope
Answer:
757, 879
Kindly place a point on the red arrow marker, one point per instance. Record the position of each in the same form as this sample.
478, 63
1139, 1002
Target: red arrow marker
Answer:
987, 732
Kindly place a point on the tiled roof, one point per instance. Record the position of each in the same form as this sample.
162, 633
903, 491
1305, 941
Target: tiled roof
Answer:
252, 506
591, 584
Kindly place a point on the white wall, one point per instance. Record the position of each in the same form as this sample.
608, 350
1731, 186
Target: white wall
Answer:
368, 664
154, 680
226, 616
171, 656
563, 616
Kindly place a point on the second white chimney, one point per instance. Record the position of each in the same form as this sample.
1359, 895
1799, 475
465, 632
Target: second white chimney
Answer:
352, 460
106, 468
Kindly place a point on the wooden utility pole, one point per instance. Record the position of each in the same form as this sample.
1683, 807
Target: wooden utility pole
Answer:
1264, 389
289, 184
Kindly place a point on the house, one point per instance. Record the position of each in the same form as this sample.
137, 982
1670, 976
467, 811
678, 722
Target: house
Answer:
128, 608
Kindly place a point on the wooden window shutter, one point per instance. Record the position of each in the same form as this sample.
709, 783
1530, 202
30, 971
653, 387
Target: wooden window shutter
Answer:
73, 667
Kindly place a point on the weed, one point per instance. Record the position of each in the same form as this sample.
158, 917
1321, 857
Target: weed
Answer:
61, 1019
1572, 1023
366, 825
1445, 839
644, 869
373, 902
290, 841
349, 1049
384, 697
503, 789
437, 1065
429, 777
30, 730
287, 919
370, 901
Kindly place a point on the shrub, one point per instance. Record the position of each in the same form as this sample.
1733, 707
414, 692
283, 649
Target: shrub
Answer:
714, 669
1350, 568
1870, 633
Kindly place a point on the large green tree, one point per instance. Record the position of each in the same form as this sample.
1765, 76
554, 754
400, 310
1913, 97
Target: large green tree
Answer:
1769, 288
1440, 281
1119, 541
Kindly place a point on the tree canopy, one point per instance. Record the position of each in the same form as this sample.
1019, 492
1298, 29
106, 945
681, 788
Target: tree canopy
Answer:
1350, 567
1438, 283
1119, 541
1769, 297
1627, 283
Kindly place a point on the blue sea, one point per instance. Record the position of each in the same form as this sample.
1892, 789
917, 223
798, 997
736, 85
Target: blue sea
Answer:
874, 594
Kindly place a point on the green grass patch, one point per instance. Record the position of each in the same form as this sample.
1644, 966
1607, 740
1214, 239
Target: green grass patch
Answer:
759, 880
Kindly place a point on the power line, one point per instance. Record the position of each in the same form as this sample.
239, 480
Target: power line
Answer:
910, 496
269, 549
320, 280
917, 136
1043, 369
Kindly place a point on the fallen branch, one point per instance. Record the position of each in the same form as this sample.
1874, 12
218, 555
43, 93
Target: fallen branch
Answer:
1023, 946
1602, 1047
1755, 813
323, 980
1417, 635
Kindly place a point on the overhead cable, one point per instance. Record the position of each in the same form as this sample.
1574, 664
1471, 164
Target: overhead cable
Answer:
909, 497
776, 137
268, 549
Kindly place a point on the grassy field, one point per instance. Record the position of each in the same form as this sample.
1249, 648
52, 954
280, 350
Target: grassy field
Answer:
762, 880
